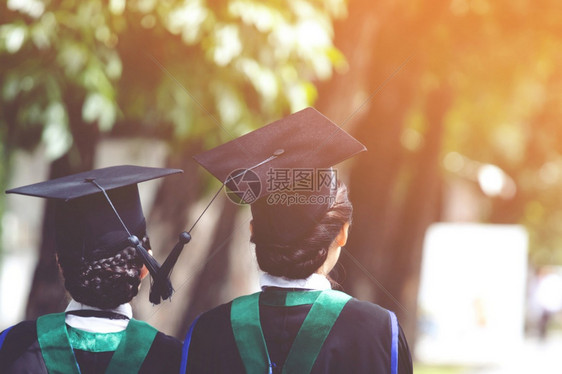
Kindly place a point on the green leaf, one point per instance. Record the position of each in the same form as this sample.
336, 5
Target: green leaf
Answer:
98, 108
56, 135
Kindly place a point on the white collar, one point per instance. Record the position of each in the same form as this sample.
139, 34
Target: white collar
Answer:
313, 282
124, 309
97, 324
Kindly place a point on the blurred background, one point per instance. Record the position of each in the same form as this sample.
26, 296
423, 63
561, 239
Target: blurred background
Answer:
458, 212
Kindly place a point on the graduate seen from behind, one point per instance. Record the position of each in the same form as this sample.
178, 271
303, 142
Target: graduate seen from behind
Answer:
103, 252
301, 216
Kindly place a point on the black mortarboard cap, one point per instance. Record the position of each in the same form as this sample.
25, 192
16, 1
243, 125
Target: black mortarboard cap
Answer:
291, 158
98, 212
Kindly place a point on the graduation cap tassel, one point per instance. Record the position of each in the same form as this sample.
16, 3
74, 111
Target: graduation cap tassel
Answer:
150, 262
163, 277
164, 289
158, 290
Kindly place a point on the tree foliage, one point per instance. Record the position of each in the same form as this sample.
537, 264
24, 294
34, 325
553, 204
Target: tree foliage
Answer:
175, 64
177, 70
502, 62
192, 73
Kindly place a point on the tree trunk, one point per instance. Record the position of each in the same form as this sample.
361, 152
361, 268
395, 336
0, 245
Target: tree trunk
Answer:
393, 204
370, 100
421, 207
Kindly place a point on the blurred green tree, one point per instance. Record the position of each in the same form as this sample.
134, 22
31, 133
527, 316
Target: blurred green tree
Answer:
191, 73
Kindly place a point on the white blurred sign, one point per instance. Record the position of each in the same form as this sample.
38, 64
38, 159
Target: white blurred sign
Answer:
472, 293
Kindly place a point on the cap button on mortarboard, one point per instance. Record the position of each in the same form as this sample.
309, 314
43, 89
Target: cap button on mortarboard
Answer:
279, 152
133, 240
185, 237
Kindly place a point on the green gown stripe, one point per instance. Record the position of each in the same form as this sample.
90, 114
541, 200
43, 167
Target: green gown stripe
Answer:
55, 347
314, 331
133, 349
248, 334
59, 356
245, 321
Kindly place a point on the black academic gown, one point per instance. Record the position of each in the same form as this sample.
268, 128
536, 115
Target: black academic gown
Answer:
359, 342
20, 353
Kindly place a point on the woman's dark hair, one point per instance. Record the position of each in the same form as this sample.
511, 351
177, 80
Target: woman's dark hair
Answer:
103, 283
299, 259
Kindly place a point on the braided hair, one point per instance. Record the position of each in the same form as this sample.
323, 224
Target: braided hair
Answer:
301, 258
106, 282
